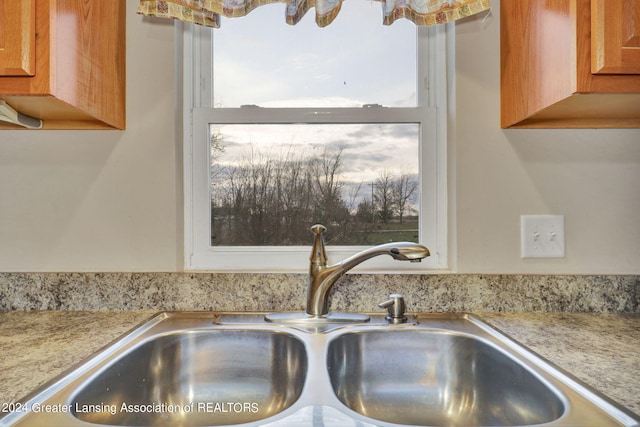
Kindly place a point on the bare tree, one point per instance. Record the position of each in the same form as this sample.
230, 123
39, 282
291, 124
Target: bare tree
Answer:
271, 199
404, 192
216, 147
330, 206
383, 196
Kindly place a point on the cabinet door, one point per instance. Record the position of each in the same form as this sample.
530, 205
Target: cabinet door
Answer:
17, 37
615, 36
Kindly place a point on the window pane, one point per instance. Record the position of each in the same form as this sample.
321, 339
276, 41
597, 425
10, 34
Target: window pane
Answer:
270, 183
354, 61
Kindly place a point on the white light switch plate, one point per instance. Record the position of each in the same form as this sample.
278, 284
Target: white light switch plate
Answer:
542, 236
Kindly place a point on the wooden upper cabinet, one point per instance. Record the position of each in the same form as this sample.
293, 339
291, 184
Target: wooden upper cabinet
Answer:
547, 64
615, 36
17, 37
77, 76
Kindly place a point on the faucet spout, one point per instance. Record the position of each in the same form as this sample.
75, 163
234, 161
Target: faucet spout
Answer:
322, 277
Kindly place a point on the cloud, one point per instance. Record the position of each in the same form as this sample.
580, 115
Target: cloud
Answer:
365, 148
363, 161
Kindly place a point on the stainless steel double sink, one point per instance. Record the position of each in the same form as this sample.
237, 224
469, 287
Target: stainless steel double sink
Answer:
207, 369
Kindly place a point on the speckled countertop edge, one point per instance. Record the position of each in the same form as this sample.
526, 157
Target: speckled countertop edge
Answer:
599, 349
39, 346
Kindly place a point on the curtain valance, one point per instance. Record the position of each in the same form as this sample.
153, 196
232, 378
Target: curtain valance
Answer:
208, 12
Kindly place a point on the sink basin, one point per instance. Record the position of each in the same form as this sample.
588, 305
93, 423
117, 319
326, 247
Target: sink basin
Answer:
220, 377
437, 379
236, 369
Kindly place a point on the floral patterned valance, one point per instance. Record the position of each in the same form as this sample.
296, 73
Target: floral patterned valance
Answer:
208, 12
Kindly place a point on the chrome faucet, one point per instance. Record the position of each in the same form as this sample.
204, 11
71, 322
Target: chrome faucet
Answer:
322, 277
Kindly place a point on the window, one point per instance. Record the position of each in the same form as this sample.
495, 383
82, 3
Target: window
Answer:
288, 126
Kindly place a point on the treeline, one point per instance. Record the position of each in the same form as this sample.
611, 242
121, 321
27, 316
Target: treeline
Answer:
274, 199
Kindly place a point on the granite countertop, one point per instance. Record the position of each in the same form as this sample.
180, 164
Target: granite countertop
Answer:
599, 349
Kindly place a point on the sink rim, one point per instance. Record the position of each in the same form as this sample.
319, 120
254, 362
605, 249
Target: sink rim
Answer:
316, 341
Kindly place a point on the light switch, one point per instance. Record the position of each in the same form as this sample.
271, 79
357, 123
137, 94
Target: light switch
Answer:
542, 236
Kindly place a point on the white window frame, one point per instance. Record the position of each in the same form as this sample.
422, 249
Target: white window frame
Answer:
194, 48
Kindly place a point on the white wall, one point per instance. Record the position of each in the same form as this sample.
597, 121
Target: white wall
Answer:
590, 176
110, 200
99, 200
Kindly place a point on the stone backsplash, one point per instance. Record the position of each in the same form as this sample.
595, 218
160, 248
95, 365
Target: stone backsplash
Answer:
286, 292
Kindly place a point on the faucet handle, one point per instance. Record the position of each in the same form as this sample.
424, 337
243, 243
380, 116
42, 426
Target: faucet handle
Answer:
395, 308
318, 229
318, 253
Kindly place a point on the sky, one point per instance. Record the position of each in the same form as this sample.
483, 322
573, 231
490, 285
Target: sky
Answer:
366, 149
260, 60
